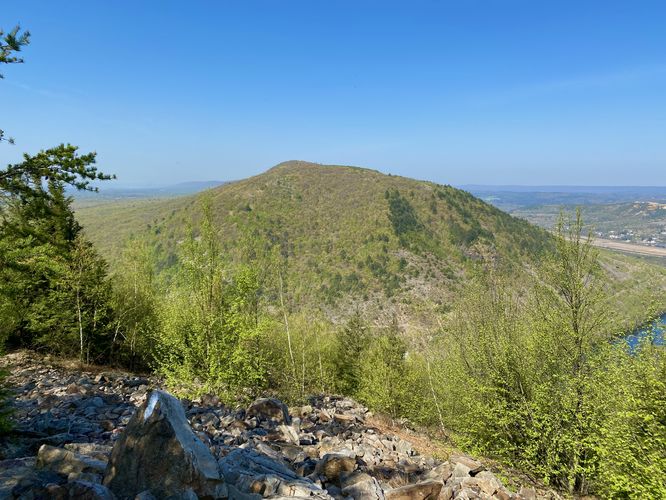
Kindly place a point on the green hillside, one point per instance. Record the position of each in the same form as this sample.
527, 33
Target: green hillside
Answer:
348, 237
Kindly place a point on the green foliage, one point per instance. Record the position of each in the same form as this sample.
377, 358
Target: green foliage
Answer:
10, 44
352, 342
401, 214
314, 346
211, 323
632, 436
335, 226
135, 304
53, 288
59, 165
382, 383
536, 380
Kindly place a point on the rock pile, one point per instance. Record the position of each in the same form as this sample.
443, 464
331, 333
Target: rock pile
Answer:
110, 435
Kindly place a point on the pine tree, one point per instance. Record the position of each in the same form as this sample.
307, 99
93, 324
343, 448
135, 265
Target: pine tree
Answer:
353, 341
53, 290
10, 44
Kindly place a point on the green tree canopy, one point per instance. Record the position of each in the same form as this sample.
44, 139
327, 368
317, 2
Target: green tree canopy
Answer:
10, 44
60, 164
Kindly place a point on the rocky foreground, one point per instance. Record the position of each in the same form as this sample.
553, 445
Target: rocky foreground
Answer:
114, 435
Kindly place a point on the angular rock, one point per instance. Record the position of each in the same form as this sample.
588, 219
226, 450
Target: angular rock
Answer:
442, 472
360, 485
488, 482
269, 409
461, 471
67, 462
474, 466
20, 475
83, 490
427, 490
333, 464
527, 493
159, 452
248, 472
97, 451
480, 485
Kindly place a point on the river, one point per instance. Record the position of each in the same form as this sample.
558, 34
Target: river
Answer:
659, 324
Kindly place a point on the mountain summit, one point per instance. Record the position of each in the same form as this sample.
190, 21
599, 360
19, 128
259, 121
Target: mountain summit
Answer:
346, 235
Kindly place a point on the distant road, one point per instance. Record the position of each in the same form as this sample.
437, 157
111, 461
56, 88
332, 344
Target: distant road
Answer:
629, 247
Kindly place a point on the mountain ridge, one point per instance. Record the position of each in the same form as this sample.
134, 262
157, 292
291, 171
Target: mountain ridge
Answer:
348, 237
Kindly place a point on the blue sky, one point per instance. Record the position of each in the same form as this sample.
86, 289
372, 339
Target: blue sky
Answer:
465, 91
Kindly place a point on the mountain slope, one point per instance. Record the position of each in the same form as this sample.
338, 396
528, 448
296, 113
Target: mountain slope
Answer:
349, 237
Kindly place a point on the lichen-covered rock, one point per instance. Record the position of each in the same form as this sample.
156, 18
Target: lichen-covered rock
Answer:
159, 452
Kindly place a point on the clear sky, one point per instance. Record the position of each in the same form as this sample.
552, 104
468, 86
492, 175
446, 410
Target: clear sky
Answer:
464, 91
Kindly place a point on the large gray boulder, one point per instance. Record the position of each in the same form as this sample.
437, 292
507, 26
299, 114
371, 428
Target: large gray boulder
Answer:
361, 485
159, 452
426, 490
251, 474
67, 462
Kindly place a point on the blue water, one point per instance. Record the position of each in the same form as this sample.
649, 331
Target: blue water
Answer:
660, 331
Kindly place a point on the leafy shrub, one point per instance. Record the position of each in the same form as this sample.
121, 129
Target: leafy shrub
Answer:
211, 326
382, 383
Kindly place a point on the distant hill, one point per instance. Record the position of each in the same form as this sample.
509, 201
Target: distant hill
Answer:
642, 222
350, 237
110, 193
515, 197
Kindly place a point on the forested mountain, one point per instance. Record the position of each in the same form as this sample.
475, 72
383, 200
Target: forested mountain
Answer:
350, 238
343, 233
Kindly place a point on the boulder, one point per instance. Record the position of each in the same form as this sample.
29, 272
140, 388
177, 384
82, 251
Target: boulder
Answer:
67, 462
159, 452
93, 450
427, 490
442, 472
18, 476
269, 409
248, 472
360, 485
333, 464
481, 485
474, 466
84, 490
